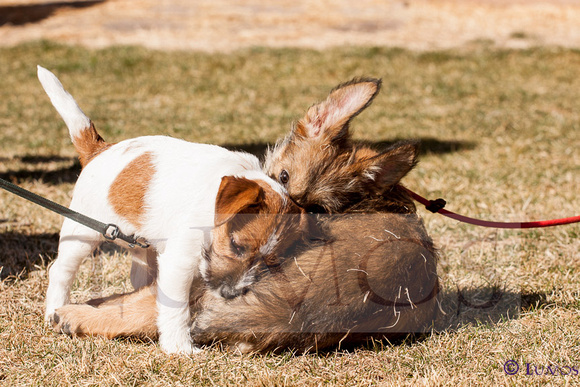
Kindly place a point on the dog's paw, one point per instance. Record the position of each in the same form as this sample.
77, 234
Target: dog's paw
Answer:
49, 319
171, 345
68, 320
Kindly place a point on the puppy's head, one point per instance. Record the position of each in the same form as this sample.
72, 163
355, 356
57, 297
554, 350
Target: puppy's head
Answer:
254, 225
321, 168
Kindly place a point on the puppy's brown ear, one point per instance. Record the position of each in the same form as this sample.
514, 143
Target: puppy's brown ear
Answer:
331, 117
389, 167
236, 195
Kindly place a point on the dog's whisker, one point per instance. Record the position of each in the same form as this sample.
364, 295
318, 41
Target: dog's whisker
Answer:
393, 234
301, 271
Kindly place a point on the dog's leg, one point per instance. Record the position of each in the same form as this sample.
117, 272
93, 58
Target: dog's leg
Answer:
143, 267
178, 266
122, 315
76, 243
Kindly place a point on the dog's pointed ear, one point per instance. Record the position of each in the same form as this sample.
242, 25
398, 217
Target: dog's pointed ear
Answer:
236, 195
331, 117
389, 167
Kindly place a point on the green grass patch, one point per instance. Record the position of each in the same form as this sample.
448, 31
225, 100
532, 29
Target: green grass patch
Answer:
500, 131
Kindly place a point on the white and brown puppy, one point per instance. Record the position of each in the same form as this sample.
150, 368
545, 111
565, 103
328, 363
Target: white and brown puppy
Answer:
172, 193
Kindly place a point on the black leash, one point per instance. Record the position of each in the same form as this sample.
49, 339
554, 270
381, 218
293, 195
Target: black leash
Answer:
109, 231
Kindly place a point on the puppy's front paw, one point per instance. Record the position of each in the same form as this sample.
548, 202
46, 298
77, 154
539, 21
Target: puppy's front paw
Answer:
49, 318
172, 344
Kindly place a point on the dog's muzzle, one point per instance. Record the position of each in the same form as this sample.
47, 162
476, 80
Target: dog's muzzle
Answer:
230, 292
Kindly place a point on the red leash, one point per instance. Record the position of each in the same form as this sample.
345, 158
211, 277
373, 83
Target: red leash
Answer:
436, 206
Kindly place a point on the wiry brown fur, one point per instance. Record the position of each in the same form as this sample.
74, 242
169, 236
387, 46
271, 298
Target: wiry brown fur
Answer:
371, 274
362, 282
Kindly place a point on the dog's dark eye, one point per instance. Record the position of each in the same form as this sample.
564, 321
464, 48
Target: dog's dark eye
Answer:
284, 177
238, 249
316, 209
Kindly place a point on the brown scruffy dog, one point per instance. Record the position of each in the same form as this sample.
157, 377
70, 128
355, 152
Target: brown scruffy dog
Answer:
324, 171
369, 270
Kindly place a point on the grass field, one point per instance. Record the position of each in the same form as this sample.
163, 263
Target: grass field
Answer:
501, 140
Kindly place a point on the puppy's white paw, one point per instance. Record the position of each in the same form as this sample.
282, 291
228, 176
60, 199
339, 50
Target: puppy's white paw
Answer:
49, 318
172, 344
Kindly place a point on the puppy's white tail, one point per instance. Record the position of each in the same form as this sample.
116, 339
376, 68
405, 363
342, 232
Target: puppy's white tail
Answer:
83, 134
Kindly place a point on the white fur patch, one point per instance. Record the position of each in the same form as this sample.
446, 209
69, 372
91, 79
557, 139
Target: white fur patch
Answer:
270, 245
248, 279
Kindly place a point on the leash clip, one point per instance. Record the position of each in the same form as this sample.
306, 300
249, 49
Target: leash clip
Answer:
436, 205
141, 242
111, 232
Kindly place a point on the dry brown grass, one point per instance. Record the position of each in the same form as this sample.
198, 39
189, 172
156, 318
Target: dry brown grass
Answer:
501, 138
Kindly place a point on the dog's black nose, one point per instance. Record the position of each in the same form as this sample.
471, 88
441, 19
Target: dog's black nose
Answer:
229, 292
316, 209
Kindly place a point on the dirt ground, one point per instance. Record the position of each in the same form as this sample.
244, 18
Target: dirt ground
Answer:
225, 25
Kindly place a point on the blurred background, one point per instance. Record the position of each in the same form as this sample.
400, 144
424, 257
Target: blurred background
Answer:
225, 25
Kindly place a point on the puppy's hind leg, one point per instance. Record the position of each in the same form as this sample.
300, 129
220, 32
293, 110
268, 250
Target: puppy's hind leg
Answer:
76, 243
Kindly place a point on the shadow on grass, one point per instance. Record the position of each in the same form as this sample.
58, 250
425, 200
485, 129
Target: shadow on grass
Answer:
70, 173
481, 306
18, 15
34, 169
477, 305
429, 145
19, 253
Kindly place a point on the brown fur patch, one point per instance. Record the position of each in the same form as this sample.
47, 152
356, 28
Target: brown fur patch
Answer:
127, 193
234, 196
324, 171
89, 144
